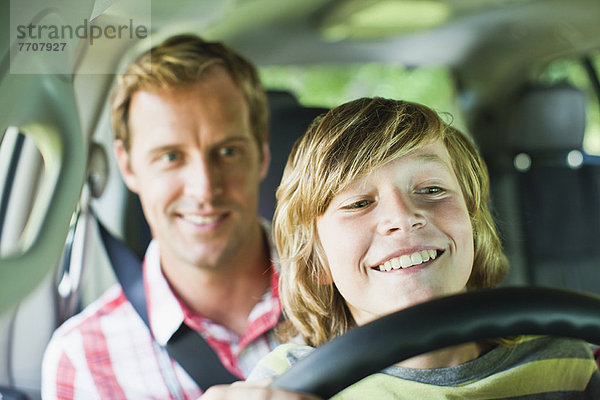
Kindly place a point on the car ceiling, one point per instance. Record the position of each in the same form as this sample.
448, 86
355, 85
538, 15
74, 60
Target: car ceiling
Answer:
491, 45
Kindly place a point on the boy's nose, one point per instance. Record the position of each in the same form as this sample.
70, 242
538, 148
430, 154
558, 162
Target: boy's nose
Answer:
399, 213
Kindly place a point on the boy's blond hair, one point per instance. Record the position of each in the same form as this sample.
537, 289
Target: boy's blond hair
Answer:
182, 61
349, 142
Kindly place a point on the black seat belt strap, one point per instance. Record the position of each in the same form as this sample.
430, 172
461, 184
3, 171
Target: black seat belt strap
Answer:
186, 346
128, 270
202, 364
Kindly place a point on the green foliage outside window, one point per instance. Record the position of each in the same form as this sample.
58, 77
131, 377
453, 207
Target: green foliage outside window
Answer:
331, 85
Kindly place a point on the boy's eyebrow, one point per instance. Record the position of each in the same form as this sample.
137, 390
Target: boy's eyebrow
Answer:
433, 158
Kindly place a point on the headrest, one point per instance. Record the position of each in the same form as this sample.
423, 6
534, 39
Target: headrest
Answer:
547, 118
281, 99
289, 121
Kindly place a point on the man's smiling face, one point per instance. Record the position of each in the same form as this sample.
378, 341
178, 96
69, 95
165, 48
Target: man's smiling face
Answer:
196, 166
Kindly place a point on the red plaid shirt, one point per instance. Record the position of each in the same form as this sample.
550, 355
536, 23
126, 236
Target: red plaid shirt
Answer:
107, 352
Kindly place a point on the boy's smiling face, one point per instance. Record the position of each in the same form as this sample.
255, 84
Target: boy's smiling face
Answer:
399, 236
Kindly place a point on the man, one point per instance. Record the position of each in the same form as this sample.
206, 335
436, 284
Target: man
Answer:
191, 125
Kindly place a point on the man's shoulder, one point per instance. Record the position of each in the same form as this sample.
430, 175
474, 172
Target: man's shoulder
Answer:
95, 330
111, 306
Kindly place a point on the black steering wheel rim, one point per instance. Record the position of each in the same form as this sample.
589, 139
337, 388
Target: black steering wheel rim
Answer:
440, 323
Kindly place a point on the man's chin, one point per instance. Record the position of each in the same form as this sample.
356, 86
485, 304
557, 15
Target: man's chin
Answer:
210, 256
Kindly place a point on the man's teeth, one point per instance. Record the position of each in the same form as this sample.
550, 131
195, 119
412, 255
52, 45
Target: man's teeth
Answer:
199, 219
406, 260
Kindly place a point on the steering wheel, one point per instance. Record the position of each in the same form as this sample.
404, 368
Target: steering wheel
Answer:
439, 323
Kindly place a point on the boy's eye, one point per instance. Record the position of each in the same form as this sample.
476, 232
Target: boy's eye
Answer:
358, 204
430, 190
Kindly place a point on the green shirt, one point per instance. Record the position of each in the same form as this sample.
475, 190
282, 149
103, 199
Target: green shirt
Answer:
535, 367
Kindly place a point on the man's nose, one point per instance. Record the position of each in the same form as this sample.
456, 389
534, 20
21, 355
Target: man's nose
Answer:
203, 180
398, 213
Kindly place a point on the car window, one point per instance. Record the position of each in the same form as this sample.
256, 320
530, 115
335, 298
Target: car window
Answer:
21, 177
331, 85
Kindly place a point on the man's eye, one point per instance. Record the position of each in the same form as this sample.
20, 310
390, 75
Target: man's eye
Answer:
170, 156
228, 151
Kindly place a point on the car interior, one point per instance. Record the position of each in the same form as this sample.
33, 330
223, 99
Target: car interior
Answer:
521, 77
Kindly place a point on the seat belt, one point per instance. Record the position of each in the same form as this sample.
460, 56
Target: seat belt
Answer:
186, 346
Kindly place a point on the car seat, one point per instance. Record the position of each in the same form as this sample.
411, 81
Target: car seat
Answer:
546, 190
289, 120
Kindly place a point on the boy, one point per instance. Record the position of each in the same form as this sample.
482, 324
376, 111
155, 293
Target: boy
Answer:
383, 206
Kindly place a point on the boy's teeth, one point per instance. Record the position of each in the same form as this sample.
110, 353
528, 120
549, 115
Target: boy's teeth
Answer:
406, 260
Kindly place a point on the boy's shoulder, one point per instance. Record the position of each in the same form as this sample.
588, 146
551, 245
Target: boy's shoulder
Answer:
280, 360
534, 348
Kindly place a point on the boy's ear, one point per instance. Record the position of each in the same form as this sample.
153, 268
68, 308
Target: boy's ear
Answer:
124, 163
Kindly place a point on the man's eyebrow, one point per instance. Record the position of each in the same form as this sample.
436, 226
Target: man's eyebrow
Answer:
175, 146
163, 148
231, 139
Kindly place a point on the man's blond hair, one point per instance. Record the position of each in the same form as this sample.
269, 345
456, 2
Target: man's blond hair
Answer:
349, 142
179, 62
